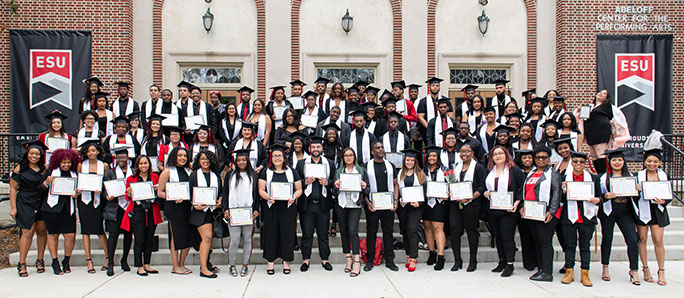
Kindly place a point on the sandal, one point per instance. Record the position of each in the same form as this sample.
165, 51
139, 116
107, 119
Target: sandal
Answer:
661, 282
333, 230
55, 267
347, 267
647, 274
21, 270
605, 276
270, 271
412, 265
65, 264
89, 263
355, 273
106, 265
632, 279
40, 266
286, 270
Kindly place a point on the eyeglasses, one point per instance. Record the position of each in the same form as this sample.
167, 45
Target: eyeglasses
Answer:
543, 157
579, 161
499, 153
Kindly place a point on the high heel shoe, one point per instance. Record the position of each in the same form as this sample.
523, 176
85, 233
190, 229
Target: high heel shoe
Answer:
661, 282
21, 270
605, 276
65, 264
355, 273
647, 274
432, 258
40, 266
89, 263
632, 278
439, 265
412, 265
347, 266
55, 267
500, 267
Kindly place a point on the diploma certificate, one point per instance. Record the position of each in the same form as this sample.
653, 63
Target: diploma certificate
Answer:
142, 191
501, 200
624, 186
170, 120
115, 188
89, 182
350, 182
204, 195
412, 194
461, 190
395, 158
241, 216
656, 190
154, 160
194, 122
382, 200
57, 143
580, 190
282, 191
177, 191
315, 170
309, 120
584, 112
296, 102
63, 186
437, 189
534, 210
278, 111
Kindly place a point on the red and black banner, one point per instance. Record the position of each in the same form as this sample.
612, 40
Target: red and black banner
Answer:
637, 71
47, 68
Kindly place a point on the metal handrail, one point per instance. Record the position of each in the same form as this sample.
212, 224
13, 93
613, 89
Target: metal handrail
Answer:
674, 167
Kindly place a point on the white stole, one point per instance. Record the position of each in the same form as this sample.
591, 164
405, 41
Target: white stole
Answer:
269, 176
240, 196
402, 184
261, 126
502, 186
516, 145
371, 176
589, 208
52, 200
353, 195
439, 141
495, 103
148, 108
123, 203
202, 182
471, 121
309, 188
295, 160
469, 174
371, 126
114, 139
236, 129
645, 205
190, 111
440, 178
110, 126
444, 158
196, 149
608, 205
544, 186
129, 107
173, 173
483, 137
87, 196
388, 146
365, 144
253, 151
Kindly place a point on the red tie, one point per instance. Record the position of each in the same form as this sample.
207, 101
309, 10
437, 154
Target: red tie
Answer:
444, 127
244, 113
320, 102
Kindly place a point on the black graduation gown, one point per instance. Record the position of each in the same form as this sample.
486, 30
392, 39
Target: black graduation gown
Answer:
30, 196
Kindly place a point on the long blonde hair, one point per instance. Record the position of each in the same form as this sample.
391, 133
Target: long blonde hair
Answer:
416, 171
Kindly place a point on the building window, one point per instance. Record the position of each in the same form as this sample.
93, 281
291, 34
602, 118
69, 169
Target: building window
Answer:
212, 75
347, 75
476, 76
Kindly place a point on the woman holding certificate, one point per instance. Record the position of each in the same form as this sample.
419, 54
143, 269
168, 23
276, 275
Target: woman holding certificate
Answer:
240, 207
204, 141
142, 214
88, 130
504, 191
619, 192
542, 195
115, 191
59, 209
26, 197
465, 212
350, 187
91, 204
279, 187
174, 187
436, 212
411, 179
653, 211
56, 136
204, 187
524, 159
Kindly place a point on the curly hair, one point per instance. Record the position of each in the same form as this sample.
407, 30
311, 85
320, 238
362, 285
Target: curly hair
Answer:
213, 161
84, 151
61, 154
172, 160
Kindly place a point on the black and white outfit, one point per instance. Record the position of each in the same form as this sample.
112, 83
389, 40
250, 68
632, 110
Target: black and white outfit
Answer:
203, 109
343, 134
435, 128
124, 107
488, 141
184, 234
241, 193
499, 103
547, 189
651, 213
436, 209
620, 211
113, 215
314, 209
344, 108
257, 154
467, 216
91, 205
394, 141
228, 131
109, 145
360, 141
199, 178
448, 159
578, 220
279, 219
270, 111
196, 148
380, 179
59, 212
146, 110
348, 209
244, 110
503, 222
409, 216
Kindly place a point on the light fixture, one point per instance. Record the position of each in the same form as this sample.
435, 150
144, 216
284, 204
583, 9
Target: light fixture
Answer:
209, 1
482, 2
483, 22
208, 20
347, 22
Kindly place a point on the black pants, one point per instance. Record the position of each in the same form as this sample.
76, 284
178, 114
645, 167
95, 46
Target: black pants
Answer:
573, 232
315, 218
622, 215
561, 238
385, 218
142, 226
503, 227
409, 219
279, 231
348, 220
542, 233
529, 250
468, 218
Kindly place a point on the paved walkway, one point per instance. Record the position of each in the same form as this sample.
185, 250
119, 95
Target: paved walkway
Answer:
381, 282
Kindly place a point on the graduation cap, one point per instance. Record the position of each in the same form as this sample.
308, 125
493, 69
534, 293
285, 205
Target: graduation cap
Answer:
322, 80
86, 142
123, 84
450, 131
101, 94
330, 126
433, 80
316, 140
276, 88
249, 124
310, 93
523, 152
620, 152
56, 114
36, 144
352, 89
369, 105
469, 88
155, 117
361, 83
653, 152
432, 148
245, 89
395, 114
528, 93
299, 135
390, 100
371, 89
443, 100
514, 115
567, 140
297, 82
559, 98
539, 100
120, 119
171, 129
414, 86
551, 122
501, 82
503, 129
358, 112
400, 84
277, 147
412, 153
242, 152
489, 109
93, 79
582, 155
121, 148
184, 84
133, 116
386, 92
204, 127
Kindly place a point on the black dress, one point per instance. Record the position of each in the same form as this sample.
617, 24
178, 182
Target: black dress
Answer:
439, 212
90, 217
29, 197
58, 219
184, 234
279, 221
599, 121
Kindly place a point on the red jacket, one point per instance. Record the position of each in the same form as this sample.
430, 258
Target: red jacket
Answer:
411, 116
126, 222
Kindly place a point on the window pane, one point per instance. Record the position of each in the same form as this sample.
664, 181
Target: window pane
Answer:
347, 75
214, 75
476, 76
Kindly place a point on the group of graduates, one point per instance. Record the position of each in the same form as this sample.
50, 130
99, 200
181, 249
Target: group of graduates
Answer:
390, 140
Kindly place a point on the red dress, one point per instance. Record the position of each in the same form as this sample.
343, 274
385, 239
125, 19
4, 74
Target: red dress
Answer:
126, 222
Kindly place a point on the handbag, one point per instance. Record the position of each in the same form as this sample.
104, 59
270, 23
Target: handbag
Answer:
220, 226
110, 210
155, 243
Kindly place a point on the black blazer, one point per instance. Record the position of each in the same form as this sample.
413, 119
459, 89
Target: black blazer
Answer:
63, 201
364, 192
197, 216
516, 182
580, 205
632, 200
326, 202
478, 182
226, 189
555, 195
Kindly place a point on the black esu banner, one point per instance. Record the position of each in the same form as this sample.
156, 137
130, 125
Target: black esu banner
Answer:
47, 68
637, 71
